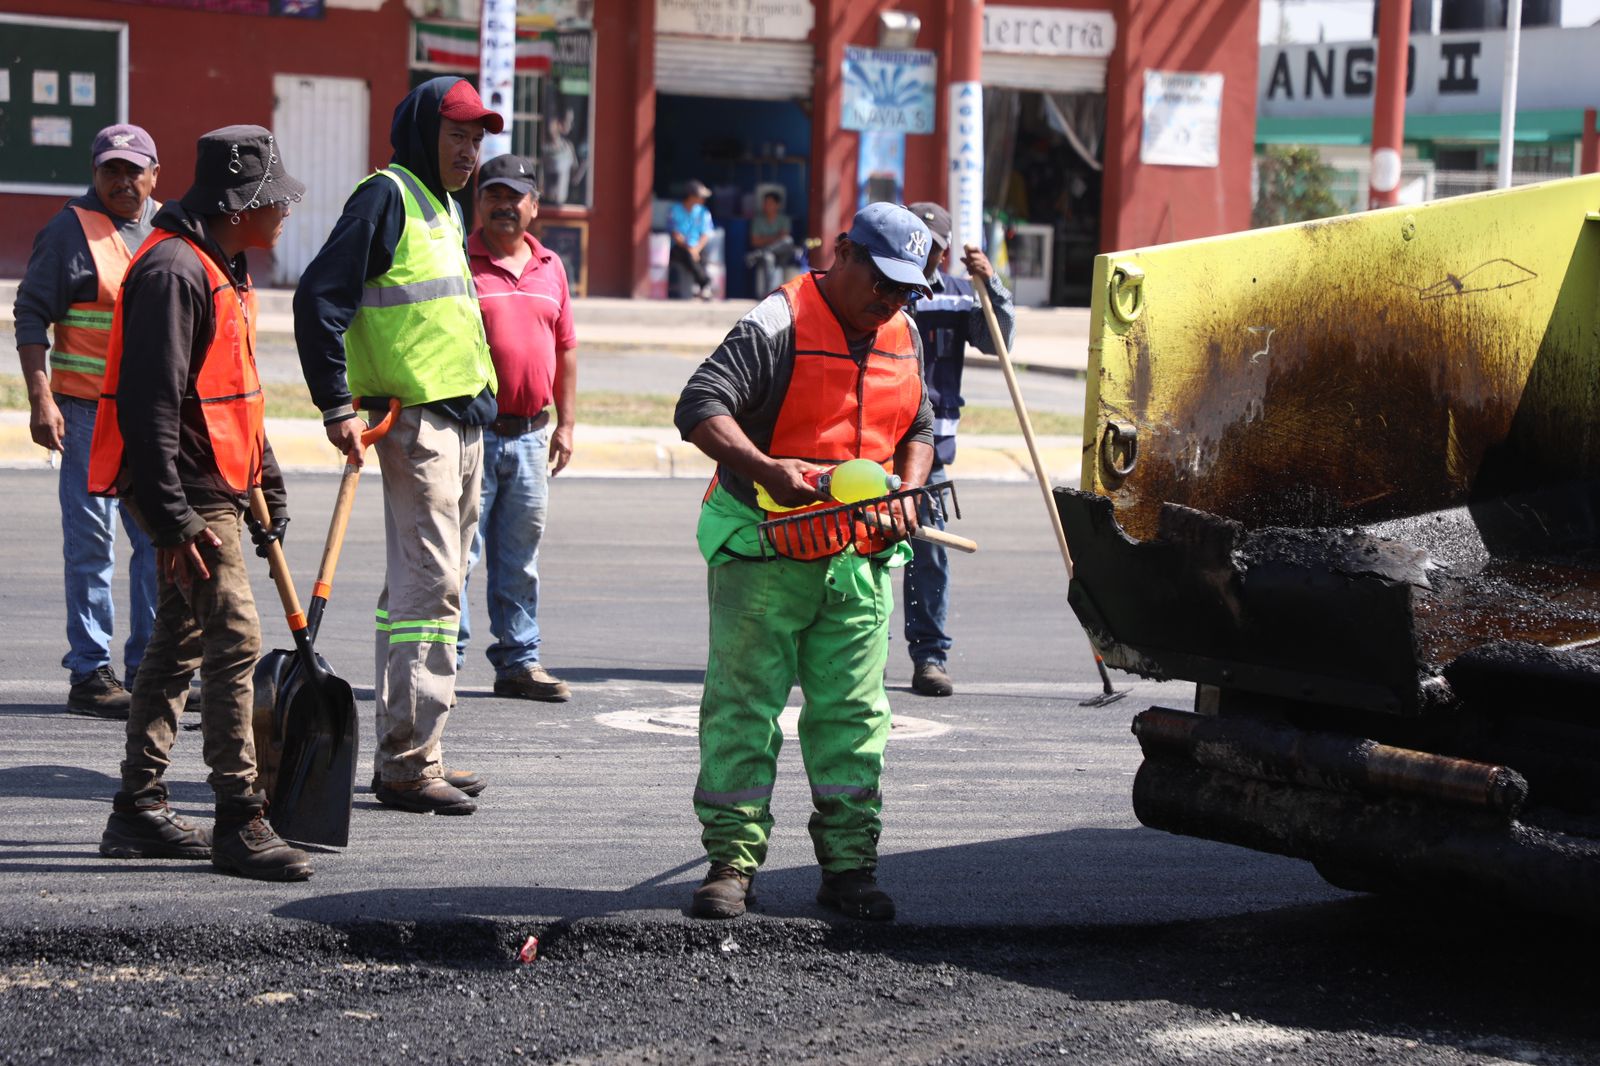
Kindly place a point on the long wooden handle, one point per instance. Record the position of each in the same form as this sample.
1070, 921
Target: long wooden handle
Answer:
279, 565
932, 536
344, 504
1022, 418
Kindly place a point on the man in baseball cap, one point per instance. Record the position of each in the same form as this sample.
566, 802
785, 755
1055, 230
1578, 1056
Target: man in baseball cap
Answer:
70, 288
385, 311
822, 371
949, 320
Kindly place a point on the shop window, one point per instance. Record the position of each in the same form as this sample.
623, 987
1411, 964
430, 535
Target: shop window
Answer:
552, 103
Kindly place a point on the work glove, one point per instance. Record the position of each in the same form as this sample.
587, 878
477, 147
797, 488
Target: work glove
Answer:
261, 535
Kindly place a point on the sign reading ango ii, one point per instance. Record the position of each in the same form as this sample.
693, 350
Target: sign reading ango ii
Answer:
888, 89
771, 20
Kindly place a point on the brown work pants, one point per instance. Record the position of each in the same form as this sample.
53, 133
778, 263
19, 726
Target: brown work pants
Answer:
432, 479
213, 628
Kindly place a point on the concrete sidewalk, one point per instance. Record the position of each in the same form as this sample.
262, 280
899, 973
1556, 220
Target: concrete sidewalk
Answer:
1049, 339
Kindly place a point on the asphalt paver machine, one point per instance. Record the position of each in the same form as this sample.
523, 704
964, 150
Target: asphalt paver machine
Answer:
1345, 476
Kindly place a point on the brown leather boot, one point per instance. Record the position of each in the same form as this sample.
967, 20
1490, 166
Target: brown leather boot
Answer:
244, 843
425, 795
465, 780
142, 826
725, 893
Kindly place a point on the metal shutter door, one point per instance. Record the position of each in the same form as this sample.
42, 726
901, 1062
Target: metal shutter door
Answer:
1056, 74
750, 70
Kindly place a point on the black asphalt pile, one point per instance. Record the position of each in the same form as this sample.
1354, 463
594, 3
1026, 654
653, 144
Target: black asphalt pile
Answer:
1358, 982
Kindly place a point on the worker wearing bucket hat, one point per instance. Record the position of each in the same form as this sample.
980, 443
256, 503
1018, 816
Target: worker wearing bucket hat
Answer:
180, 437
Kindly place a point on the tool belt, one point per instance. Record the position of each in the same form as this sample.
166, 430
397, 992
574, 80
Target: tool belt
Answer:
519, 425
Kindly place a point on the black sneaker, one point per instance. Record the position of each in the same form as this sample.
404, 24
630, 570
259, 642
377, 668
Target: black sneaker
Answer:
245, 843
725, 893
930, 679
100, 695
154, 833
855, 894
534, 683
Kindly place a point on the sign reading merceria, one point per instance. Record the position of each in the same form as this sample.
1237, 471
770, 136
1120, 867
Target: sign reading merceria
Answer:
770, 20
1041, 31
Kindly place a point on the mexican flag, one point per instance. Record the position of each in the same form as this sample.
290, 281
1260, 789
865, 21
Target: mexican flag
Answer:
455, 44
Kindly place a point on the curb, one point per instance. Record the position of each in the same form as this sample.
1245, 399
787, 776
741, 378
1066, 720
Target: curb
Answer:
601, 452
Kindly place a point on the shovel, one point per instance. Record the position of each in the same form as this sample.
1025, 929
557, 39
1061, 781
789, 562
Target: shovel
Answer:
307, 737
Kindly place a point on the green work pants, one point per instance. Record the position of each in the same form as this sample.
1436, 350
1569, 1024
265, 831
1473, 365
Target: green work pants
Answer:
771, 624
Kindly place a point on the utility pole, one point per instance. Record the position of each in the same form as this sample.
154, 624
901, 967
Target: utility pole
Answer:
1508, 92
965, 125
1389, 102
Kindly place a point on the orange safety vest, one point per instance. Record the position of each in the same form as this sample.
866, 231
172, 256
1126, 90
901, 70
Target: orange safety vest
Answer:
228, 388
83, 336
837, 408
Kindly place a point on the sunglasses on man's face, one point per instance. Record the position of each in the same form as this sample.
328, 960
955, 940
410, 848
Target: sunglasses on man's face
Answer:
893, 290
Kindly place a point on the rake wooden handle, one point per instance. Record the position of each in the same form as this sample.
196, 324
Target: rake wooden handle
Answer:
932, 536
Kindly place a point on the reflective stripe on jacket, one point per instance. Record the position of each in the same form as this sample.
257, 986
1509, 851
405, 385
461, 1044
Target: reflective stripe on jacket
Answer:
228, 388
418, 334
82, 337
838, 407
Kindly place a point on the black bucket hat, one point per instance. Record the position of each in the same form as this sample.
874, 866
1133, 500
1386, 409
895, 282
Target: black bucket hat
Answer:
237, 168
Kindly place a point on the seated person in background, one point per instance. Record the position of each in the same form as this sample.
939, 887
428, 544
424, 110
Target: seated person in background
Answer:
689, 222
771, 244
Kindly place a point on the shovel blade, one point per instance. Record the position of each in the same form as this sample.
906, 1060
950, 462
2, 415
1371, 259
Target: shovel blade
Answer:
272, 672
315, 783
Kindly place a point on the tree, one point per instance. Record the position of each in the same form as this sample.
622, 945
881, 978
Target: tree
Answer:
1294, 186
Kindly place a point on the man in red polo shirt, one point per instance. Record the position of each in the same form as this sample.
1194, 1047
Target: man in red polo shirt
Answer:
527, 315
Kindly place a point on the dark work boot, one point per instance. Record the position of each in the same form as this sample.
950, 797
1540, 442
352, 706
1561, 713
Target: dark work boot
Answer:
725, 893
855, 894
142, 826
245, 843
100, 695
931, 679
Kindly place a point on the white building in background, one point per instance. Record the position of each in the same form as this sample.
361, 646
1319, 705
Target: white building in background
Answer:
1319, 93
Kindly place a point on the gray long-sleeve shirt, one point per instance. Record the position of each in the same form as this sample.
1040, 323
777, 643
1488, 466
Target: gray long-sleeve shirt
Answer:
747, 378
61, 269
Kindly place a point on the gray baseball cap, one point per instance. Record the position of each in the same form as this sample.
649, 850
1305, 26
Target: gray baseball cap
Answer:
123, 141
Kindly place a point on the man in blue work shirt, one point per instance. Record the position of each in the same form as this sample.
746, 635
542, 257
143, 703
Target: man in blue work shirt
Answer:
948, 321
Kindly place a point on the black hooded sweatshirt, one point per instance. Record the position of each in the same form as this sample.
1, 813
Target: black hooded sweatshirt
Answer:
360, 248
168, 321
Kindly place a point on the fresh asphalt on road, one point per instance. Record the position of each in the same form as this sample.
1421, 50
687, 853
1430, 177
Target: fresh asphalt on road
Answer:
1037, 919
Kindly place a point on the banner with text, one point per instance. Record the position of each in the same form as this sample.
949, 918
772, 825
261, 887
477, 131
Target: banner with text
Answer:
886, 89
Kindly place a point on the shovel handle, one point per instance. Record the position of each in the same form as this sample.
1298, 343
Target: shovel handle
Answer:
344, 505
932, 536
279, 565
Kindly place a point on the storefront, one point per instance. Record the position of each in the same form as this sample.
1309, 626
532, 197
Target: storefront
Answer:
1321, 95
619, 101
182, 67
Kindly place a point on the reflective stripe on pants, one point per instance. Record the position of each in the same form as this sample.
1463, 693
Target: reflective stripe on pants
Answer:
773, 623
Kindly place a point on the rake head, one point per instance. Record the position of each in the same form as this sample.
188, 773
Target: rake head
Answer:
830, 529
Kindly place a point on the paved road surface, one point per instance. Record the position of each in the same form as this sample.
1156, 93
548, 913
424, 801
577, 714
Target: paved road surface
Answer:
1038, 920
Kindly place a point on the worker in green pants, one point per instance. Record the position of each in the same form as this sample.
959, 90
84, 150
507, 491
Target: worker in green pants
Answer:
825, 370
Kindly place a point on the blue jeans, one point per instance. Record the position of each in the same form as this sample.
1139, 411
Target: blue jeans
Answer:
88, 546
516, 494
927, 589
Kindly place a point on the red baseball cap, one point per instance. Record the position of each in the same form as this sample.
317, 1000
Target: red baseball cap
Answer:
463, 104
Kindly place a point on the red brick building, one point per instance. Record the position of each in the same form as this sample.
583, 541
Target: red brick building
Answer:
626, 98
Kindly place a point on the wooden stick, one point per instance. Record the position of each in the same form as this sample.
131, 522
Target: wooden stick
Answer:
280, 565
1022, 417
932, 536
